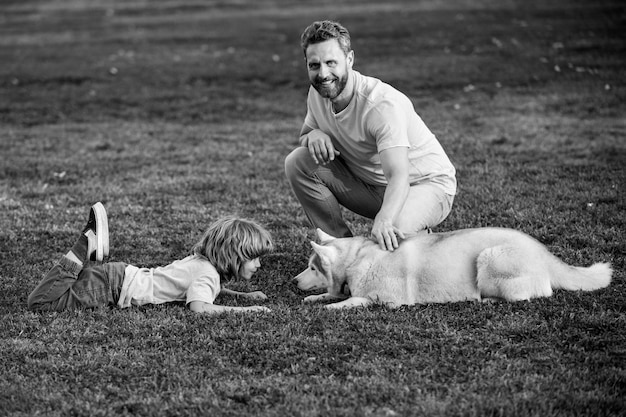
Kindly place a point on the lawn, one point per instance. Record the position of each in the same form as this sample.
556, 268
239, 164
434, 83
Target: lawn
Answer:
174, 113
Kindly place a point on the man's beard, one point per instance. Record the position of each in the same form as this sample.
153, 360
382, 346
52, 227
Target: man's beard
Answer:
330, 91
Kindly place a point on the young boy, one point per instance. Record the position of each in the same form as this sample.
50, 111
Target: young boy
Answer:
230, 248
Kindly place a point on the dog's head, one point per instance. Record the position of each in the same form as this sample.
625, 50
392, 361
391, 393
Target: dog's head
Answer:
325, 269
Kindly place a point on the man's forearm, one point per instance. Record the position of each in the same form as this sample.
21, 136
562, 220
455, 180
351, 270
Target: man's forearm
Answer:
394, 199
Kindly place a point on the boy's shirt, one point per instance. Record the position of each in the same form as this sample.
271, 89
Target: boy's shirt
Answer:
189, 279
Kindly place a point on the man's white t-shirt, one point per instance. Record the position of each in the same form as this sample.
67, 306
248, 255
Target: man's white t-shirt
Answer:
189, 279
380, 117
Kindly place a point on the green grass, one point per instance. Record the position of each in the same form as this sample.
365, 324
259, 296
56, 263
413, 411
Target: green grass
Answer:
176, 113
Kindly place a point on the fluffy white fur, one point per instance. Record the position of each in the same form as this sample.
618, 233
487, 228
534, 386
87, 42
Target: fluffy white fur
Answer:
469, 264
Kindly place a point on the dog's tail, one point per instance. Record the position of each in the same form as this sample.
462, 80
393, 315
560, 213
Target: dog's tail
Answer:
576, 278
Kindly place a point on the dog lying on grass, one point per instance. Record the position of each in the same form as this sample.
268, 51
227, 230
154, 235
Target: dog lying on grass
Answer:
469, 264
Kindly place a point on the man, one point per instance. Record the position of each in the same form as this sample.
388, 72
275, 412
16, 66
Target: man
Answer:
364, 147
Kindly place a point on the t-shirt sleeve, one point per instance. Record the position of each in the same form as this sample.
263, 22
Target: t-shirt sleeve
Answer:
387, 123
311, 108
205, 288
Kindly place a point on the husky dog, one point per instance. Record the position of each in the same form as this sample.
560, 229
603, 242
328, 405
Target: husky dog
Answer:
468, 264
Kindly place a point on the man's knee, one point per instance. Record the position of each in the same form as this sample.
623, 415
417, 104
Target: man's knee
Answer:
297, 161
426, 207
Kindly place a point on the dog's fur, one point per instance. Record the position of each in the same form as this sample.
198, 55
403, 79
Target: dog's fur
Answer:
469, 264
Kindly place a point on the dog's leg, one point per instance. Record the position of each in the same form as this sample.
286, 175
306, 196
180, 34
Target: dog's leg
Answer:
509, 272
323, 297
350, 303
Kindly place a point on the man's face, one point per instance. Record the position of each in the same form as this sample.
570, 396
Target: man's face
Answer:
328, 67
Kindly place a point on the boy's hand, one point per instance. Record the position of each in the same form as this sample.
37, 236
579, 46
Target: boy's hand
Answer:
256, 295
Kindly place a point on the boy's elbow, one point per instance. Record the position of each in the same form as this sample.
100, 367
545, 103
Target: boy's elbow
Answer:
196, 306
202, 307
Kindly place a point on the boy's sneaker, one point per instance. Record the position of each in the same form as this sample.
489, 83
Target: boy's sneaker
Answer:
97, 232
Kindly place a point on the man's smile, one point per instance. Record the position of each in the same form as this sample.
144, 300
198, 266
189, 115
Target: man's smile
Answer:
326, 82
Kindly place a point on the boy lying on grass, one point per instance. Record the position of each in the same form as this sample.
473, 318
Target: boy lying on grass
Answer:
230, 248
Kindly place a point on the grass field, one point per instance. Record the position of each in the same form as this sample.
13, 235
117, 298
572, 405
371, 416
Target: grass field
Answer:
174, 113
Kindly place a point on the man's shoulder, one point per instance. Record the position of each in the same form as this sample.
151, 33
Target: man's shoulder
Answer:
376, 89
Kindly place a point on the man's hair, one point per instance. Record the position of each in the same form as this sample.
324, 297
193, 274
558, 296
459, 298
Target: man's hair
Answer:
231, 241
325, 30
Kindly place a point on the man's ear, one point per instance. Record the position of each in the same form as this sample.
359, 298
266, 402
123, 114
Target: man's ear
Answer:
350, 59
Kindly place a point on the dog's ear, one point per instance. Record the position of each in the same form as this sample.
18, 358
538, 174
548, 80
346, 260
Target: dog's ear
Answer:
324, 237
326, 253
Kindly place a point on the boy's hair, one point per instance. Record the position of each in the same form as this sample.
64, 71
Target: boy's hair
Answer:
231, 241
325, 30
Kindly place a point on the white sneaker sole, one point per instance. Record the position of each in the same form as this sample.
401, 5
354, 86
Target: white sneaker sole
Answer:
102, 231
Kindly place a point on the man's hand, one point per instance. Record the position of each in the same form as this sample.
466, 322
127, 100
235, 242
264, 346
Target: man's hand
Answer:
321, 147
384, 232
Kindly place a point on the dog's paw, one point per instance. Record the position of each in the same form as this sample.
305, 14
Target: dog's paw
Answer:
349, 303
316, 298
335, 306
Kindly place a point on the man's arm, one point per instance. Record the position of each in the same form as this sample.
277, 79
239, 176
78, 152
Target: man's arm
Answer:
319, 143
304, 140
395, 165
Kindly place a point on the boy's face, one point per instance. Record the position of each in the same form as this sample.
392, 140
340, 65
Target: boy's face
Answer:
249, 268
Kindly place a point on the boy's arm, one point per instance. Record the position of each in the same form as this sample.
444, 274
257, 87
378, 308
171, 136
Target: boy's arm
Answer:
202, 307
254, 295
